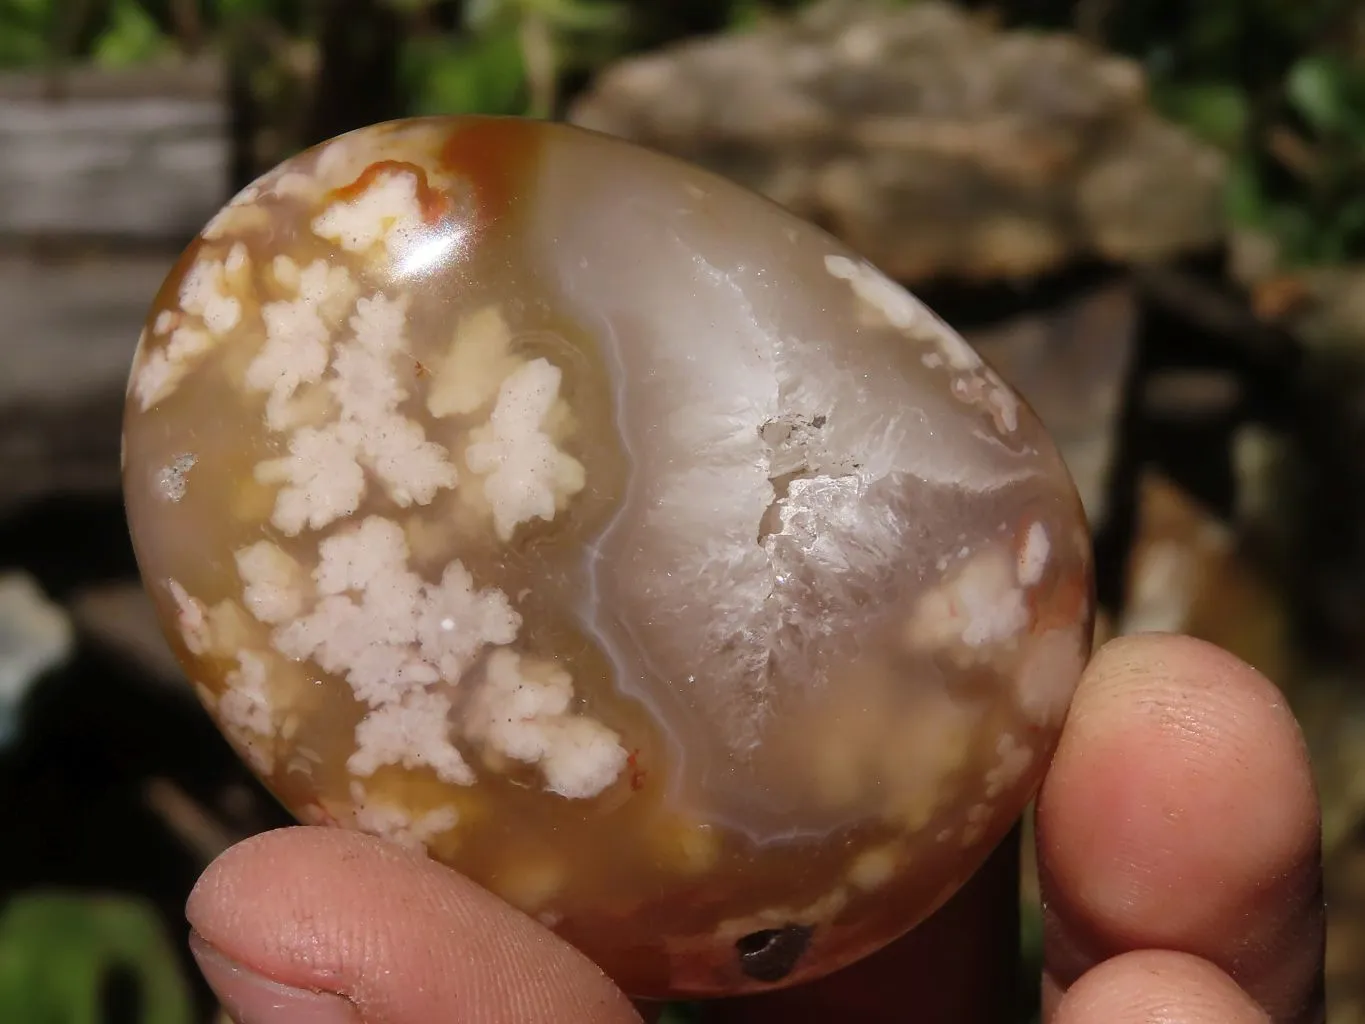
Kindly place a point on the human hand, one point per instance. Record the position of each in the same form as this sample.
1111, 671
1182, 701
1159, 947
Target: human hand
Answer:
1179, 852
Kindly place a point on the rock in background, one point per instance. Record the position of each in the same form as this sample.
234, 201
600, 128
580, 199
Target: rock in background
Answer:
953, 154
933, 144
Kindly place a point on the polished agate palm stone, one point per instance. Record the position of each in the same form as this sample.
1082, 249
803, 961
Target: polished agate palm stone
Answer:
627, 544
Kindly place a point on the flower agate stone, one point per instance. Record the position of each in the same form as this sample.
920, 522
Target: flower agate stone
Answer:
624, 542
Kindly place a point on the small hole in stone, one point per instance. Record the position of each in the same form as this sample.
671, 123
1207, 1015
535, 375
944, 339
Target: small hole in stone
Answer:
771, 954
756, 942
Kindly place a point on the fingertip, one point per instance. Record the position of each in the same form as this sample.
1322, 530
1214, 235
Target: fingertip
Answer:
1139, 671
1156, 985
1180, 813
249, 997
401, 937
1174, 750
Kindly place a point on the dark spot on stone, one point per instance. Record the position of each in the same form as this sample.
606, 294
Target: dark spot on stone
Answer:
771, 954
818, 421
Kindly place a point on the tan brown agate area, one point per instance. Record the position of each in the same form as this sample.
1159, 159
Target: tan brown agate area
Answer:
631, 546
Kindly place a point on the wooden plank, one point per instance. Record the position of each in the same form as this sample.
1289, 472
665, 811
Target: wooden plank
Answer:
136, 156
66, 344
203, 79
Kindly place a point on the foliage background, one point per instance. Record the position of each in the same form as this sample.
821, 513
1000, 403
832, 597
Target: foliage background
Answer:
1279, 86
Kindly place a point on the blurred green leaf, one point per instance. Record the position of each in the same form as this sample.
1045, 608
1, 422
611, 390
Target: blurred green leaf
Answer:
30, 13
483, 15
577, 15
19, 49
1344, 234
1213, 29
746, 14
1300, 239
562, 15
26, 31
1216, 111
1244, 197
1315, 87
132, 37
229, 10
483, 75
58, 951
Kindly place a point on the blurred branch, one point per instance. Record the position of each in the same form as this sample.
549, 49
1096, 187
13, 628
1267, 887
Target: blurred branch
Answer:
200, 832
66, 33
1294, 152
358, 73
1221, 316
188, 25
542, 68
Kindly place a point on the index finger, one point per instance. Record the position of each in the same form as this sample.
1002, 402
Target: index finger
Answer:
1179, 814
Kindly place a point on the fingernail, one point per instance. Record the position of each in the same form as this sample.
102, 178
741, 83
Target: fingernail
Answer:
250, 998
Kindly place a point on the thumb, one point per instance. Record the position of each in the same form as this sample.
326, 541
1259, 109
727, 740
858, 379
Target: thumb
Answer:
325, 926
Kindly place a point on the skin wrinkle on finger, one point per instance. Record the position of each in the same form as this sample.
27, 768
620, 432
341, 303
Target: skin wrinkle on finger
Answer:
1157, 987
405, 939
1293, 965
1180, 813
